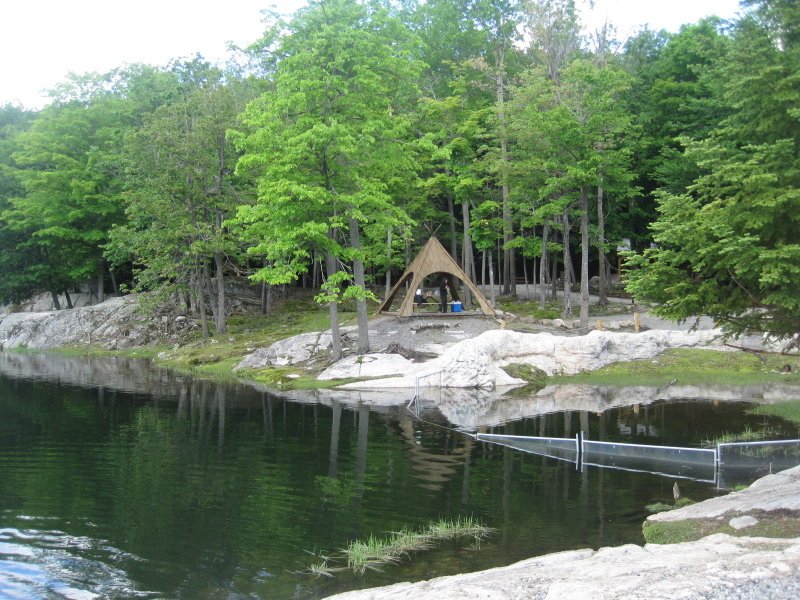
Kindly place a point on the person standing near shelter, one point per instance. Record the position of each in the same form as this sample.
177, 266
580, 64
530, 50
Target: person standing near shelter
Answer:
443, 294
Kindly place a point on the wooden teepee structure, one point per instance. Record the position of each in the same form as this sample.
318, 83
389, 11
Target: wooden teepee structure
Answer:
433, 258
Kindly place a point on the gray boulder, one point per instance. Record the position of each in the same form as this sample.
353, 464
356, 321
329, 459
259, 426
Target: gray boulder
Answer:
479, 362
115, 323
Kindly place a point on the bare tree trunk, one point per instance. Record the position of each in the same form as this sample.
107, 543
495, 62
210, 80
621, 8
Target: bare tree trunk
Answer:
56, 303
101, 292
360, 281
388, 261
333, 309
467, 260
491, 280
266, 298
483, 272
567, 312
509, 269
114, 285
543, 266
200, 296
451, 218
69, 299
584, 259
209, 289
525, 274
601, 247
220, 314
266, 295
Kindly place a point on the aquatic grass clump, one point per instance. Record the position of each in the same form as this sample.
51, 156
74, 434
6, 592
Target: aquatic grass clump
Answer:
373, 553
788, 411
376, 552
748, 435
658, 507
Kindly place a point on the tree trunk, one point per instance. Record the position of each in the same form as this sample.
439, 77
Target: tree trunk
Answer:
601, 247
220, 314
509, 269
467, 260
266, 298
491, 280
388, 261
56, 303
200, 296
543, 266
208, 289
360, 281
567, 312
483, 272
114, 285
451, 218
584, 259
101, 292
525, 274
69, 299
333, 310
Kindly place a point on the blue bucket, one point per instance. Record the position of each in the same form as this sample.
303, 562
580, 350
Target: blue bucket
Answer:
456, 306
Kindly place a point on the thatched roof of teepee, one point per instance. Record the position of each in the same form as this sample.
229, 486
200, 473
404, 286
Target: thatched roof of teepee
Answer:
433, 258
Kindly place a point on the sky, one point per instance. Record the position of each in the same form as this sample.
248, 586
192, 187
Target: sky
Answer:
43, 40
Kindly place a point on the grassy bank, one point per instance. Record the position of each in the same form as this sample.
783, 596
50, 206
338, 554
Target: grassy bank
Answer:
693, 366
772, 524
217, 356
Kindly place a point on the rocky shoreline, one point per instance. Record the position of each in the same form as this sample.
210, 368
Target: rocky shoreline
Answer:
735, 561
720, 566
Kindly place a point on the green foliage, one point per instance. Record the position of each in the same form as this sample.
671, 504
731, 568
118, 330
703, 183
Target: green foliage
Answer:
727, 247
691, 366
375, 121
68, 165
329, 142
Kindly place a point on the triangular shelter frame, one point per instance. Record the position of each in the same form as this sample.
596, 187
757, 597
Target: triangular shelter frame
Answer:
433, 258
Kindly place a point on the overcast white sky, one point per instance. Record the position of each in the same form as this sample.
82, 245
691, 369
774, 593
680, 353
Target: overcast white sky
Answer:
42, 40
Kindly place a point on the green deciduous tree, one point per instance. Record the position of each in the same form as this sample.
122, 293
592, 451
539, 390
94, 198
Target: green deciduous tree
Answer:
571, 137
180, 190
330, 145
729, 246
68, 165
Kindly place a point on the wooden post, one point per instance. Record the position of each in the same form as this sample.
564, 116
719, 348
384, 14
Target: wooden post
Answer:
637, 321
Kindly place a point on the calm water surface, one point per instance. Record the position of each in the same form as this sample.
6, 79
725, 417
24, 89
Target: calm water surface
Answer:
121, 481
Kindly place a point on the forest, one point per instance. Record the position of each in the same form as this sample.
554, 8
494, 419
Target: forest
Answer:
326, 153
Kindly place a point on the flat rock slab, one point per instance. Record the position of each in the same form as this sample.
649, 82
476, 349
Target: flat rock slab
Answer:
780, 491
719, 566
479, 362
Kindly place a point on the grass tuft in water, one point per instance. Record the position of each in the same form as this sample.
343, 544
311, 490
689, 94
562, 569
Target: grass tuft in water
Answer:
658, 507
374, 553
748, 435
788, 411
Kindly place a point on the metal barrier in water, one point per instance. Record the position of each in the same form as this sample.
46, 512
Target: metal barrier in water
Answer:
684, 463
727, 465
559, 448
738, 461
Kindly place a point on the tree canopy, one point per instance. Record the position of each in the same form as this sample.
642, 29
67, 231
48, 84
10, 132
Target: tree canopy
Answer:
329, 151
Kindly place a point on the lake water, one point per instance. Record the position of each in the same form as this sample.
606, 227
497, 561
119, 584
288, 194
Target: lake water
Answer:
118, 480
